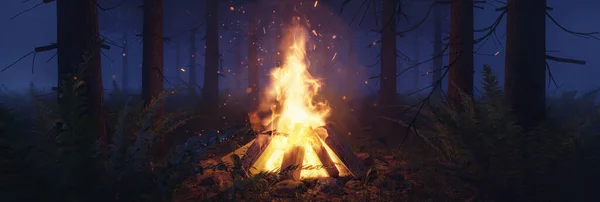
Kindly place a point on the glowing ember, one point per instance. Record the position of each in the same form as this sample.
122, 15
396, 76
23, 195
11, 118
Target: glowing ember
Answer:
294, 116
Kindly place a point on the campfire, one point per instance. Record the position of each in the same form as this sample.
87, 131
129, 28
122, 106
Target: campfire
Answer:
297, 141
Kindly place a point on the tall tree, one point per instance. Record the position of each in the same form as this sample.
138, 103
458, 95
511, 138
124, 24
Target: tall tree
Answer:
192, 69
152, 56
437, 48
78, 36
460, 76
210, 90
387, 92
525, 70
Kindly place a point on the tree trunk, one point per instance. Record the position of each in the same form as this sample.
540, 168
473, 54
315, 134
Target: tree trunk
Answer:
388, 55
436, 71
192, 69
460, 77
78, 36
125, 76
210, 90
525, 70
152, 58
252, 89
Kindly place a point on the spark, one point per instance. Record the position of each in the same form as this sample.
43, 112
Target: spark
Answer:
497, 52
334, 37
333, 58
264, 30
316, 3
124, 54
182, 70
366, 82
315, 32
231, 8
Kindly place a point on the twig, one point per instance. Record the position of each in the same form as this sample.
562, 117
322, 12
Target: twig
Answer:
551, 77
9, 66
27, 10
110, 7
579, 34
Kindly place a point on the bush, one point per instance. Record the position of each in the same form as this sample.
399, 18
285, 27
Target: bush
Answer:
481, 144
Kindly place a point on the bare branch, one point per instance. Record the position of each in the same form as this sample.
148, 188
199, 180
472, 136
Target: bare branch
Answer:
110, 7
29, 9
565, 60
587, 35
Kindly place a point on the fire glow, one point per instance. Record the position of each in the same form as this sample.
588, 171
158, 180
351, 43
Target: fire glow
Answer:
295, 115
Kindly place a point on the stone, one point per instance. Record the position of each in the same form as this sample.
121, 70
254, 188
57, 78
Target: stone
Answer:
289, 188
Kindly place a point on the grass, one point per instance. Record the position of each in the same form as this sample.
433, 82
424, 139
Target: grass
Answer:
49, 152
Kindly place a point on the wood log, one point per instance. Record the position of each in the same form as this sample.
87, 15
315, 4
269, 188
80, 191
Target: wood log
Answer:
350, 160
291, 165
324, 157
256, 149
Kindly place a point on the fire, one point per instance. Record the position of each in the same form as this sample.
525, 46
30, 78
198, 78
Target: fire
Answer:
295, 114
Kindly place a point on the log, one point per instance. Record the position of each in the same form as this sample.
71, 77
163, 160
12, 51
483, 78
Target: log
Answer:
255, 150
291, 165
325, 158
350, 160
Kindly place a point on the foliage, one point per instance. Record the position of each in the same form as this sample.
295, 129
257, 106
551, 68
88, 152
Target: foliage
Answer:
482, 145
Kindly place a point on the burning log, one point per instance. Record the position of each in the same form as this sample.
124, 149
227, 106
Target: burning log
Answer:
291, 165
255, 151
325, 158
348, 158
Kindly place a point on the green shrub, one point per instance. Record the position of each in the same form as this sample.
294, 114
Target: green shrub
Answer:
482, 145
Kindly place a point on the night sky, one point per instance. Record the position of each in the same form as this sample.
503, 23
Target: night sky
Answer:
38, 28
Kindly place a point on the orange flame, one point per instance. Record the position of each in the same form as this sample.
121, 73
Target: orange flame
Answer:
295, 112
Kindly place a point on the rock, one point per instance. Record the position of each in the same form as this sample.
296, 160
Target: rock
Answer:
289, 188
366, 159
352, 186
329, 185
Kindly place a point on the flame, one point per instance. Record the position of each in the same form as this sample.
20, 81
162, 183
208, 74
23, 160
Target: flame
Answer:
295, 113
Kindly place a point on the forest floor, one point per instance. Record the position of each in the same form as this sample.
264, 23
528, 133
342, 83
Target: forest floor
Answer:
394, 172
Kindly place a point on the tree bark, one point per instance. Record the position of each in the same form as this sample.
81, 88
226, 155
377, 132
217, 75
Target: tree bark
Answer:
437, 49
525, 70
460, 77
252, 89
387, 90
78, 36
125, 64
192, 69
210, 90
152, 58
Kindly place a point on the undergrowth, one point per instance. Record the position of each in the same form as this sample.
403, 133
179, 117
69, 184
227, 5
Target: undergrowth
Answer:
480, 144
51, 152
